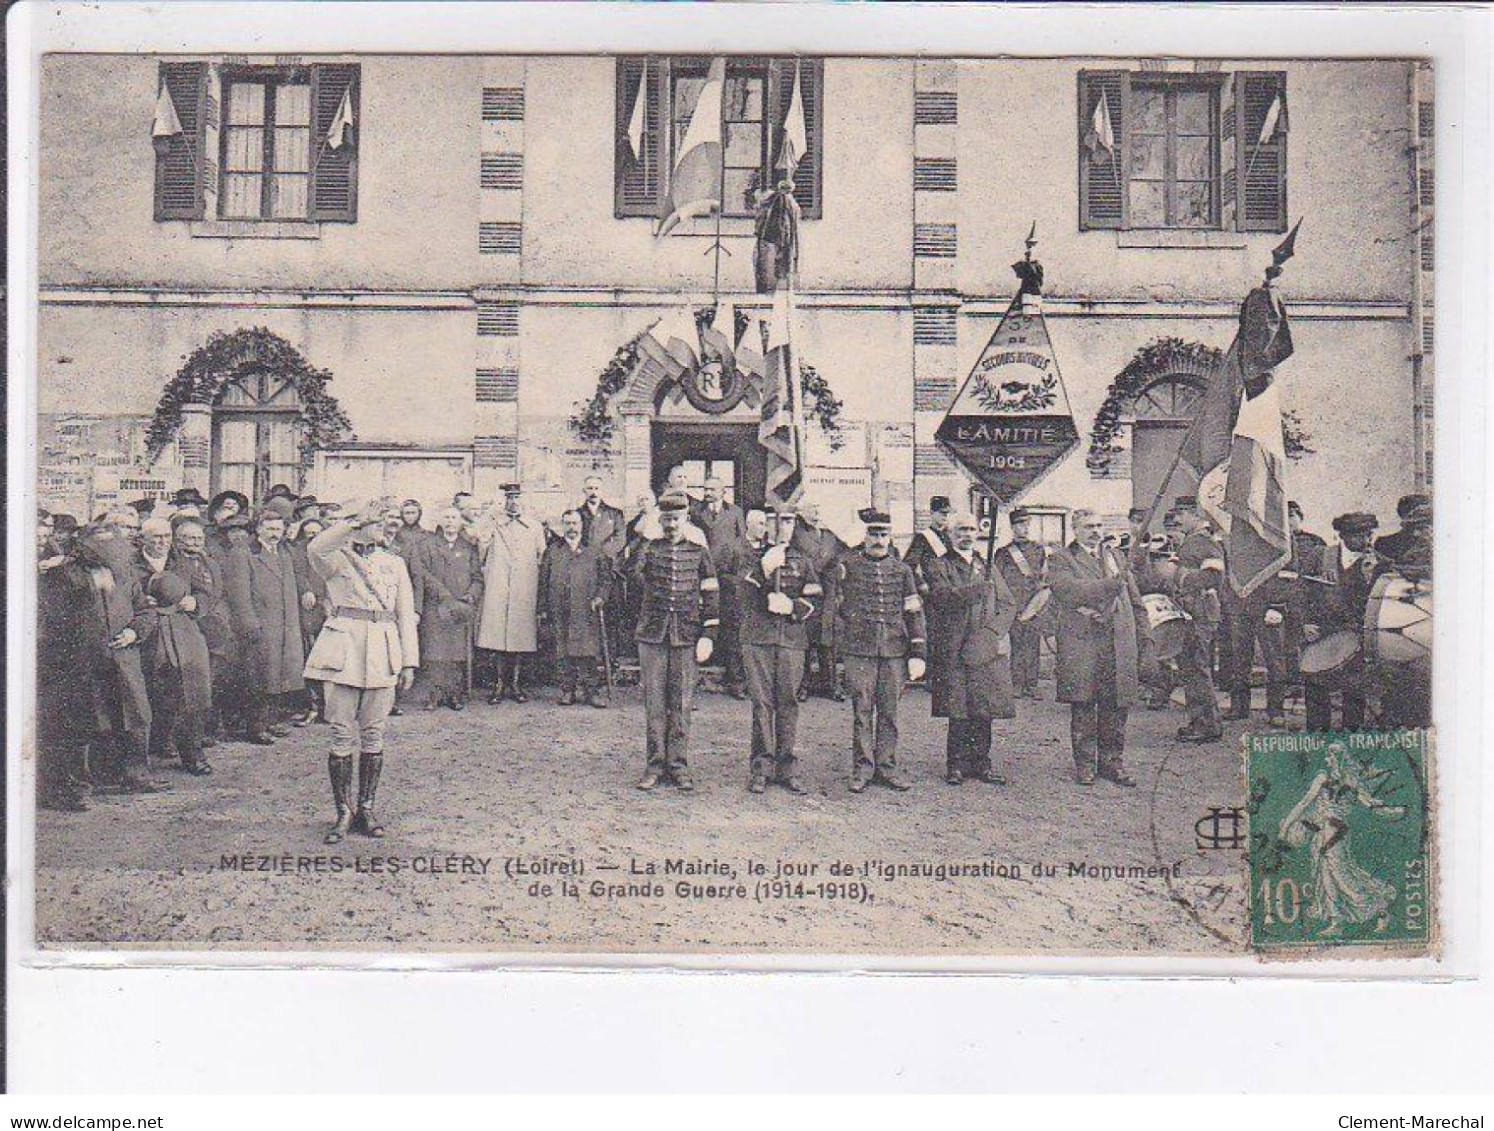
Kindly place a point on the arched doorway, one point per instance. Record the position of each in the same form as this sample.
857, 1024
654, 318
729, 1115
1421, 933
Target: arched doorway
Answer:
1161, 413
256, 434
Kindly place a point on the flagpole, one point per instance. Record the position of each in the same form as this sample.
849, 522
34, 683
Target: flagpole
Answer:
1177, 459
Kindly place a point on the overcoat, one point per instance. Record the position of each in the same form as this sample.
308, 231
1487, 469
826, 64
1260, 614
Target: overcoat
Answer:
226, 548
510, 596
606, 529
176, 646
265, 604
1106, 587
569, 581
970, 613
202, 573
311, 582
448, 589
368, 649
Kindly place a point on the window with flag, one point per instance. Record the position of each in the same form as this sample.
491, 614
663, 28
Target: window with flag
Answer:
1182, 151
767, 106
257, 142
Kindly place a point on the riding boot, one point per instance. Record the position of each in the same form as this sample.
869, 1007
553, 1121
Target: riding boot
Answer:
340, 770
369, 767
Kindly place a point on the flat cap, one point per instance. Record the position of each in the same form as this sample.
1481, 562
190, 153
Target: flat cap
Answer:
1355, 522
872, 518
939, 504
674, 501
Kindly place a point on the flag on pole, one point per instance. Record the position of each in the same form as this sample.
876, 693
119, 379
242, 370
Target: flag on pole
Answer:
668, 348
342, 121
1101, 137
781, 430
695, 183
1276, 119
795, 130
1259, 540
718, 337
635, 119
166, 123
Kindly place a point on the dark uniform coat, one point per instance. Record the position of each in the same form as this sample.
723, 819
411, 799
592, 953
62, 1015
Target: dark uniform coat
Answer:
1105, 588
876, 608
823, 549
927, 545
797, 580
570, 580
681, 597
265, 603
447, 583
970, 615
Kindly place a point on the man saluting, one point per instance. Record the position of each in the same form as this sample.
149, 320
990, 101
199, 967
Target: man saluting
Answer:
367, 647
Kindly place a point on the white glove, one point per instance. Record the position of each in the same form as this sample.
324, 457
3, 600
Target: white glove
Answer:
916, 668
780, 604
774, 558
125, 638
703, 649
1273, 617
1214, 564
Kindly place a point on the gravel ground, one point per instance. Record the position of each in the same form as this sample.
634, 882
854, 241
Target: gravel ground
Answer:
237, 861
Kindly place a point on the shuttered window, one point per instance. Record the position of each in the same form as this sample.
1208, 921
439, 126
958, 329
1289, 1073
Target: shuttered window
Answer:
274, 156
1261, 156
179, 157
1152, 151
655, 96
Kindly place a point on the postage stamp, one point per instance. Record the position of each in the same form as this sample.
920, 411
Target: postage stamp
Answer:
1339, 848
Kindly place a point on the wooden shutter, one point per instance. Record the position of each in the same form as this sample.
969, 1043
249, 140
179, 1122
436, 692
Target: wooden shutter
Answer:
179, 163
1262, 167
638, 181
1102, 188
334, 172
809, 175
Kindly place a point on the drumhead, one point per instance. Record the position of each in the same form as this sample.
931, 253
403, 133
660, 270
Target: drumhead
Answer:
1333, 651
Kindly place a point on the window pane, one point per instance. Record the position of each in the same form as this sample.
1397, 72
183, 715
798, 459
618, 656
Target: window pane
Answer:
241, 195
740, 185
744, 145
290, 196
1148, 157
1194, 115
246, 104
293, 105
1195, 204
1148, 204
292, 150
1150, 110
1195, 159
246, 150
743, 99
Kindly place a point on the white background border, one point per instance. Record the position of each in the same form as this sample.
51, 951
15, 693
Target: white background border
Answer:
123, 1029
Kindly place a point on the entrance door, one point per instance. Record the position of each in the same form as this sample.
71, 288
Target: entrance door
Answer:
256, 435
730, 450
1163, 411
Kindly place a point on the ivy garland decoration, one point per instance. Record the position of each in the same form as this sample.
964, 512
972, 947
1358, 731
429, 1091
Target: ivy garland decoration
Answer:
229, 354
1157, 359
594, 424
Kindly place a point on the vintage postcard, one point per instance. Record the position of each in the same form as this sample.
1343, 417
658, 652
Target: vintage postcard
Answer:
691, 504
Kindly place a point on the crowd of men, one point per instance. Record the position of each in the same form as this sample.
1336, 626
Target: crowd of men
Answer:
165, 630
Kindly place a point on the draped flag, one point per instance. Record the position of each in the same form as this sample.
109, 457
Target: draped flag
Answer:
719, 336
1011, 421
1100, 138
695, 184
635, 119
166, 123
670, 347
781, 430
795, 130
342, 121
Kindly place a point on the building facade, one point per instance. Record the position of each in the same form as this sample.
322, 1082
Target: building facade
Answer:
478, 244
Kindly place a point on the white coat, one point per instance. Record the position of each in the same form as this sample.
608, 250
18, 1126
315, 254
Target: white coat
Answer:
510, 596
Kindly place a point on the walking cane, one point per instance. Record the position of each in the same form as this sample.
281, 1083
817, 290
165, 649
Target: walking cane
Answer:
467, 632
606, 654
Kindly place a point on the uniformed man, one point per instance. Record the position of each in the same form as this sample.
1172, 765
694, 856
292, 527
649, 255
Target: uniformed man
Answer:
971, 610
1200, 573
366, 648
780, 592
823, 548
724, 526
933, 540
1097, 604
1337, 604
1409, 549
1022, 562
1308, 552
676, 632
879, 627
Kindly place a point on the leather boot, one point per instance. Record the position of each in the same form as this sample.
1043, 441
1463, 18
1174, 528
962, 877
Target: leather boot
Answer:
340, 770
369, 768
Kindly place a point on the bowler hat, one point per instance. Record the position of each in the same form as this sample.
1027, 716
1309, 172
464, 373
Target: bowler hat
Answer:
1355, 522
188, 497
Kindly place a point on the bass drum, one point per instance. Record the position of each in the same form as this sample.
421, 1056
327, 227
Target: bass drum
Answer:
1333, 660
1398, 624
1167, 625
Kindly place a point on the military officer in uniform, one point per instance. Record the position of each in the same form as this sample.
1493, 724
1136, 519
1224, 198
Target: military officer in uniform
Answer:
676, 632
879, 627
1022, 562
971, 610
367, 647
1336, 604
933, 541
780, 592
1200, 573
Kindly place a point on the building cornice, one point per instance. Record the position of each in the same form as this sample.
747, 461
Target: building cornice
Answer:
978, 305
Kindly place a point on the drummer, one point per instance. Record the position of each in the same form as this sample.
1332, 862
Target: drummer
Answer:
1335, 603
1146, 555
1409, 549
1200, 574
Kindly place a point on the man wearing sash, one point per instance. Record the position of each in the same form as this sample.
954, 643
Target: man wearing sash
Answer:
1022, 562
367, 647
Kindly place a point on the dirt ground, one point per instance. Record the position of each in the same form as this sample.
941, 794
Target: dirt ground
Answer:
510, 825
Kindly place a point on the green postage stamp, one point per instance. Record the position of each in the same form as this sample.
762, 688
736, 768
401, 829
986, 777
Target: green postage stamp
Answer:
1338, 840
